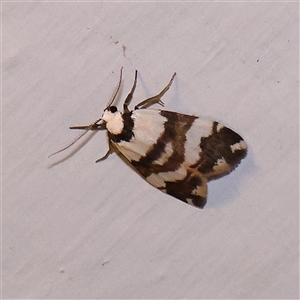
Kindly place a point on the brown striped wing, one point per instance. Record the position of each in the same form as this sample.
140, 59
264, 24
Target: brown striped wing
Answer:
184, 153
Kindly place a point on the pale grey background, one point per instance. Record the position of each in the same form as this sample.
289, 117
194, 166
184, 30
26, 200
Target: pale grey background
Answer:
75, 229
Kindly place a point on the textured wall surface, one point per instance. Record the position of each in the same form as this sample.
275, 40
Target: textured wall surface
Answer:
75, 229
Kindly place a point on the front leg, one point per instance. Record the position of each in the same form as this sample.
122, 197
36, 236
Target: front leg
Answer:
130, 95
155, 99
93, 126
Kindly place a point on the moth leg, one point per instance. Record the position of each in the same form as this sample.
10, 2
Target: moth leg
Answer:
93, 126
129, 97
106, 155
155, 99
89, 127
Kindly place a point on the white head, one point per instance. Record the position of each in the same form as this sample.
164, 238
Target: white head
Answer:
113, 119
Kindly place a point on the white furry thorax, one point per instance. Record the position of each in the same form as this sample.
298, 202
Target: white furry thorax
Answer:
114, 121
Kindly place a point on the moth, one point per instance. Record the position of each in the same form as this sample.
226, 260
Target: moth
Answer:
176, 153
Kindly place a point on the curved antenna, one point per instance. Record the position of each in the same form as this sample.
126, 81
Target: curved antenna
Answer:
112, 99
86, 129
90, 127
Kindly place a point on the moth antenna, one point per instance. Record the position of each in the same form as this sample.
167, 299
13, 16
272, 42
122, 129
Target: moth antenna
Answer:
88, 128
113, 97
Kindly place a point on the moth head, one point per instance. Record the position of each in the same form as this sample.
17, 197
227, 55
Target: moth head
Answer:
113, 119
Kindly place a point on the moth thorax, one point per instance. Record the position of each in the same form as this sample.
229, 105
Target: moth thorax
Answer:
114, 122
